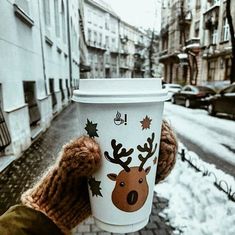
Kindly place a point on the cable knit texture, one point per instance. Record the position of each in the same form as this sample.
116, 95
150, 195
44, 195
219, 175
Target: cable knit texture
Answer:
62, 194
167, 152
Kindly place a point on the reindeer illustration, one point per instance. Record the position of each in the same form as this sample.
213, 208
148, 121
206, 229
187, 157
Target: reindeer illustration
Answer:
131, 188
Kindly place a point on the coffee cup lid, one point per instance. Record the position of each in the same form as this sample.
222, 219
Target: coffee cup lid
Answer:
122, 90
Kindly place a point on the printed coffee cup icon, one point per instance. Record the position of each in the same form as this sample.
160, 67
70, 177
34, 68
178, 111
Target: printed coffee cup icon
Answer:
118, 120
121, 192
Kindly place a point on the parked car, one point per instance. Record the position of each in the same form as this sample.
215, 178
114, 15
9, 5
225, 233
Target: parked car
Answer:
223, 102
172, 88
193, 96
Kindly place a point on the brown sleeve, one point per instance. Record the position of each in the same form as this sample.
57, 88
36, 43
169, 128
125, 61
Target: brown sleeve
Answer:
21, 220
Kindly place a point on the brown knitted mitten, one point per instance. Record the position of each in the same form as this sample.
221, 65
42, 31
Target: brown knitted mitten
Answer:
62, 195
167, 152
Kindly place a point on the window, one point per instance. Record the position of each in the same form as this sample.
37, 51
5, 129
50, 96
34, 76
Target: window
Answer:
24, 5
113, 43
100, 39
61, 89
57, 19
198, 4
107, 22
197, 29
107, 41
52, 91
225, 30
228, 64
95, 37
214, 36
64, 33
89, 16
211, 72
213, 2
30, 99
46, 11
89, 35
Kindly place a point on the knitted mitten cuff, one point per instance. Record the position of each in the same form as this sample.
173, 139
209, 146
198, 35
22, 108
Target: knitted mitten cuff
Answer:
167, 152
62, 194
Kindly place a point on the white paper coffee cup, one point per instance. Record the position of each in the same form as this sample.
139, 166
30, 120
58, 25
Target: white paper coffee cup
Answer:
125, 117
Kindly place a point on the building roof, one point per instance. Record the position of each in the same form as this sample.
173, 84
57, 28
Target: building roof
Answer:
104, 6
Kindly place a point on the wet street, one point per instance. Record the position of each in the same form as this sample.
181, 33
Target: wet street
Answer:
23, 172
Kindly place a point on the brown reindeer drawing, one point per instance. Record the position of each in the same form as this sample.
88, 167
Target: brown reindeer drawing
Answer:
131, 189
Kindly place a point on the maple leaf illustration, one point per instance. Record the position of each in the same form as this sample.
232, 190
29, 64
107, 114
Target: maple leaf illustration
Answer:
95, 187
146, 122
91, 129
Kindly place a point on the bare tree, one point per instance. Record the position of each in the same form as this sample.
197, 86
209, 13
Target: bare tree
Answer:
231, 28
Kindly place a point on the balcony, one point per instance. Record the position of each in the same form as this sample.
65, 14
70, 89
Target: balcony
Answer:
211, 17
124, 51
124, 66
95, 45
164, 30
185, 19
163, 53
123, 39
114, 51
138, 65
193, 44
139, 44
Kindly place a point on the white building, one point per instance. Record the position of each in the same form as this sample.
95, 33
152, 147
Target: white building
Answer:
116, 48
39, 68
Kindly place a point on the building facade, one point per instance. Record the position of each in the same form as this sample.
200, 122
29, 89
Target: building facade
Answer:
216, 47
115, 48
39, 69
195, 41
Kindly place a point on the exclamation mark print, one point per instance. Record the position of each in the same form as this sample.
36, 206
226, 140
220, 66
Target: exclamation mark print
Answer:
125, 119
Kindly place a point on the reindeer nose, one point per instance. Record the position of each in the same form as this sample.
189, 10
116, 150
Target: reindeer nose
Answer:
132, 197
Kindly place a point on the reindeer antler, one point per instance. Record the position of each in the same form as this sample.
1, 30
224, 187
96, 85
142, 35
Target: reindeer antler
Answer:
148, 147
117, 156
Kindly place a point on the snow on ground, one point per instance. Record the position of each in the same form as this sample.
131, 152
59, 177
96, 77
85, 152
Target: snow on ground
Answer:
212, 134
196, 206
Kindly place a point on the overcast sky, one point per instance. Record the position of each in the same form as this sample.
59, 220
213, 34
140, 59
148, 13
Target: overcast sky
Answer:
145, 13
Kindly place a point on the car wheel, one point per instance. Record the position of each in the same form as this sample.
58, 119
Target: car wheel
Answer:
187, 103
172, 100
211, 109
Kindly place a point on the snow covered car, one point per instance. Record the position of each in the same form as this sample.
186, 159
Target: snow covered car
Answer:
223, 102
171, 88
193, 96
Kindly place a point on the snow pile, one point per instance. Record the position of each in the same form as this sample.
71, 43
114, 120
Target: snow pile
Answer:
196, 206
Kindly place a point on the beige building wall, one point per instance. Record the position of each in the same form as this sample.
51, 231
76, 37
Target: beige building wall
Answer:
207, 42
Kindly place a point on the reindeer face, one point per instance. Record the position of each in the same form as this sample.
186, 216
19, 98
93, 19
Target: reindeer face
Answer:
131, 188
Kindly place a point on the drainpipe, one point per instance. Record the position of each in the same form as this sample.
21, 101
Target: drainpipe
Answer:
42, 49
69, 46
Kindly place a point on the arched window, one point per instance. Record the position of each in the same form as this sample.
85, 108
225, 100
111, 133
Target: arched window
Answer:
57, 19
46, 11
64, 32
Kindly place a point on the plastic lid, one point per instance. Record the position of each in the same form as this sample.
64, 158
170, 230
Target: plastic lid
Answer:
126, 90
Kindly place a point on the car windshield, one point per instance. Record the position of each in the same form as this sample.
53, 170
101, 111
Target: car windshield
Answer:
204, 89
175, 86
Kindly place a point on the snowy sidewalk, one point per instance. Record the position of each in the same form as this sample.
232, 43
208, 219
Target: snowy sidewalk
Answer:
196, 206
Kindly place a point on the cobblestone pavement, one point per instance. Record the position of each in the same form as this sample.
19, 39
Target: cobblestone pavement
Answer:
20, 175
